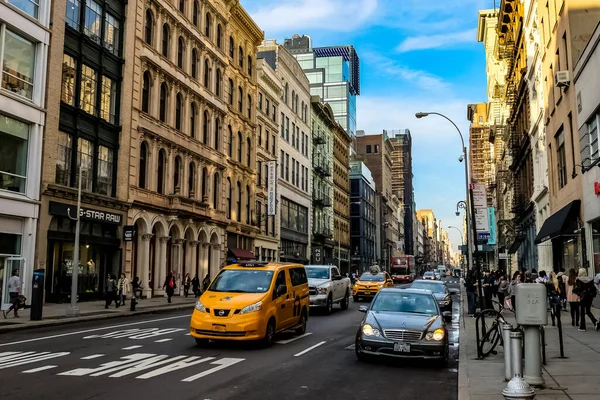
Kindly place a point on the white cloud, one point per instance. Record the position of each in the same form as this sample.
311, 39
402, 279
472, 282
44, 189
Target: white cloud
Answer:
329, 15
437, 41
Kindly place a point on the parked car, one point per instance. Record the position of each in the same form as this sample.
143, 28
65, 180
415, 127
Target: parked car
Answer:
440, 291
327, 287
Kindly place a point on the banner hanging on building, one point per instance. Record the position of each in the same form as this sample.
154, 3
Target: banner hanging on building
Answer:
271, 187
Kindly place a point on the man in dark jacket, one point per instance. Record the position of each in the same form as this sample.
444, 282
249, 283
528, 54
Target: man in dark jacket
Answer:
470, 288
170, 286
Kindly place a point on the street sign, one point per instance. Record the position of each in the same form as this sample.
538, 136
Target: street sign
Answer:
503, 256
479, 196
482, 223
483, 235
271, 189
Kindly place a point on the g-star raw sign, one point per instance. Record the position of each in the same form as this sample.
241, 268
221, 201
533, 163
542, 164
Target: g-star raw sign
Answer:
69, 210
271, 182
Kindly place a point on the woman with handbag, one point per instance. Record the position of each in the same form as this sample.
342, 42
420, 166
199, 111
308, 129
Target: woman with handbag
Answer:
585, 289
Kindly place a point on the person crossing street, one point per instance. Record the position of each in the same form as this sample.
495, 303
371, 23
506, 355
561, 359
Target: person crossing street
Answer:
14, 290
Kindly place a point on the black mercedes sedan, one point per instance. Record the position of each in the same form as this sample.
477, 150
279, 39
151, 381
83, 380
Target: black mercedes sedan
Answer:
403, 323
439, 289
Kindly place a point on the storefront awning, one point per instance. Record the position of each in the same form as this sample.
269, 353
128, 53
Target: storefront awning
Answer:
242, 254
554, 226
516, 244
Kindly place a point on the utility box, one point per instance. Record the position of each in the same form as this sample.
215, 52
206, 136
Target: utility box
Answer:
531, 304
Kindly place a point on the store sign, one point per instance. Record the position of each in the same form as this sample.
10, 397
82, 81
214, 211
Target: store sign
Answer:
69, 210
271, 186
317, 255
128, 233
597, 188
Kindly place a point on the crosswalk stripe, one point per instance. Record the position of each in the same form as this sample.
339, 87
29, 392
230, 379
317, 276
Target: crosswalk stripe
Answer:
162, 340
131, 347
92, 356
39, 369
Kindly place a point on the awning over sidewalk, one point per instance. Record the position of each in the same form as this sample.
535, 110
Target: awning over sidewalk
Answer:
516, 244
242, 254
555, 225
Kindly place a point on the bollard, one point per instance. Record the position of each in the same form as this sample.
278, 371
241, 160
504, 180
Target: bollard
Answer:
508, 373
533, 356
133, 302
517, 388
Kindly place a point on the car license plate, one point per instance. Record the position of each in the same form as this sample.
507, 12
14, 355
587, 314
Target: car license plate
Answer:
402, 347
219, 328
367, 292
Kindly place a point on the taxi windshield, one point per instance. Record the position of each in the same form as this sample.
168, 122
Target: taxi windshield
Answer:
371, 277
434, 287
241, 281
404, 303
317, 272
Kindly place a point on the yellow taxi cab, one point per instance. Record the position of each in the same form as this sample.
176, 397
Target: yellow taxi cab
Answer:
252, 301
369, 283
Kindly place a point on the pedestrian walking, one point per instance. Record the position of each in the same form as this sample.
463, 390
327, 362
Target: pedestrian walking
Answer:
470, 289
562, 288
586, 290
488, 283
170, 286
111, 291
187, 281
502, 290
572, 298
512, 289
205, 283
123, 287
136, 288
196, 286
14, 291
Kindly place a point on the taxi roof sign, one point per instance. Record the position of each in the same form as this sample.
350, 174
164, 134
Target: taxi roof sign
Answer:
251, 264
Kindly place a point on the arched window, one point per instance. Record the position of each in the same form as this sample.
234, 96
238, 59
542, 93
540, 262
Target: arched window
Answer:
230, 141
207, 25
241, 56
195, 12
219, 35
178, 111
177, 174
302, 110
248, 205
193, 112
250, 65
204, 183
249, 105
194, 64
229, 197
162, 158
164, 93
240, 99
142, 173
231, 47
293, 100
148, 27
191, 180
286, 93
180, 47
248, 151
146, 92
230, 91
239, 202
182, 6
205, 128
240, 143
218, 83
297, 104
215, 199
206, 73
165, 40
217, 131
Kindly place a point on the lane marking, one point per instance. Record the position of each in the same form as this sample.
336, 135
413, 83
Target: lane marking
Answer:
309, 349
162, 340
136, 333
351, 347
293, 339
187, 334
222, 364
137, 346
44, 368
28, 358
92, 356
93, 330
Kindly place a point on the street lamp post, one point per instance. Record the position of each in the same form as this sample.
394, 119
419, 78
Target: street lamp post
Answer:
464, 159
462, 241
73, 310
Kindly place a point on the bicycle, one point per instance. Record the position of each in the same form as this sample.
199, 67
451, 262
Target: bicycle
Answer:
492, 334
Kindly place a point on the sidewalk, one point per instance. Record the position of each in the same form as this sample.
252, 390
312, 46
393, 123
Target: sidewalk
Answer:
574, 378
55, 314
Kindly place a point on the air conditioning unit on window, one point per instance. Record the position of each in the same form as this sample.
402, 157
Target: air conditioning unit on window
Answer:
562, 79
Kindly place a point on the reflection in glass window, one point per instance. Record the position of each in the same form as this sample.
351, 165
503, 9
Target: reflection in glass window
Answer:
31, 7
18, 64
105, 171
14, 136
63, 159
87, 95
111, 34
93, 20
68, 80
85, 160
108, 100
72, 14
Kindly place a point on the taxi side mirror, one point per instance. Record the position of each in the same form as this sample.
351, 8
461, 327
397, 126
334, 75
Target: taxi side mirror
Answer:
336, 278
281, 290
362, 309
447, 315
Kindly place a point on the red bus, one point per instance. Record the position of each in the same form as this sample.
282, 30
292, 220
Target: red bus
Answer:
403, 269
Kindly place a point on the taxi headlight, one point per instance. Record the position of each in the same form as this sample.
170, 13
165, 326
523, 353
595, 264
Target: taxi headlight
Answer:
368, 330
322, 290
251, 308
444, 302
438, 334
200, 307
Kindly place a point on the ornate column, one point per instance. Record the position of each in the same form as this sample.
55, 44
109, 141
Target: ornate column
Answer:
203, 264
143, 265
160, 267
177, 257
191, 258
215, 248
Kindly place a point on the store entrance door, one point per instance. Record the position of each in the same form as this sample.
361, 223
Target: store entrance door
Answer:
8, 265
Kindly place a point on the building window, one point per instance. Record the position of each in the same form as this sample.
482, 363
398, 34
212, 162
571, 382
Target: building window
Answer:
239, 203
178, 111
69, 72
204, 183
248, 201
177, 174
218, 83
230, 141
240, 99
293, 100
191, 180
108, 104
93, 18
592, 128
162, 115
287, 129
286, 92
260, 101
216, 191
231, 47
217, 131
63, 159
219, 35
87, 96
250, 65
18, 64
180, 47
249, 151
142, 173
194, 64
206, 73
148, 27
561, 159
193, 112
293, 171
376, 148
230, 92
282, 164
165, 40
85, 164
205, 127
260, 130
368, 149
294, 216
259, 174
207, 26
162, 160
240, 142
287, 167
195, 12
229, 197
249, 105
182, 6
273, 143
111, 34
241, 56
105, 171
145, 92
14, 136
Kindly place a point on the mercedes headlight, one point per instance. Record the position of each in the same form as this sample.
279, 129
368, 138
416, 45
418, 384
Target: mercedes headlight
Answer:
322, 290
438, 334
368, 330
251, 308
200, 307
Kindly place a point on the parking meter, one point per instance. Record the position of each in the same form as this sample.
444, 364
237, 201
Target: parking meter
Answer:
531, 313
37, 295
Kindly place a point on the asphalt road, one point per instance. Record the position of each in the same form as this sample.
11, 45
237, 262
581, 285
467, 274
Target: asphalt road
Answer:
153, 357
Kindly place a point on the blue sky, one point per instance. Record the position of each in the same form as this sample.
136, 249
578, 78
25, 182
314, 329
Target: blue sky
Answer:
416, 55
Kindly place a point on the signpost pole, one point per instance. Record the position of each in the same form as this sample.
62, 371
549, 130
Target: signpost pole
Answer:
73, 310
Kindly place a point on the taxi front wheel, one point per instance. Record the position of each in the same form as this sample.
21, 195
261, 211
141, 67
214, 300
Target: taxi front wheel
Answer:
269, 338
201, 342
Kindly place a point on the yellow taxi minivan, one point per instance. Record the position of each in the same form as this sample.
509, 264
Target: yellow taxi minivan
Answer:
369, 283
252, 301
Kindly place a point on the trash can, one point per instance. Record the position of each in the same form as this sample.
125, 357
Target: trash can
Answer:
37, 294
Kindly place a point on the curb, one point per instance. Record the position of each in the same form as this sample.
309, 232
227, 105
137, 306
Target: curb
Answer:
463, 379
70, 321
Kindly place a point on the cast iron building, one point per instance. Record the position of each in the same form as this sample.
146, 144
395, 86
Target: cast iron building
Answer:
402, 182
362, 217
480, 148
